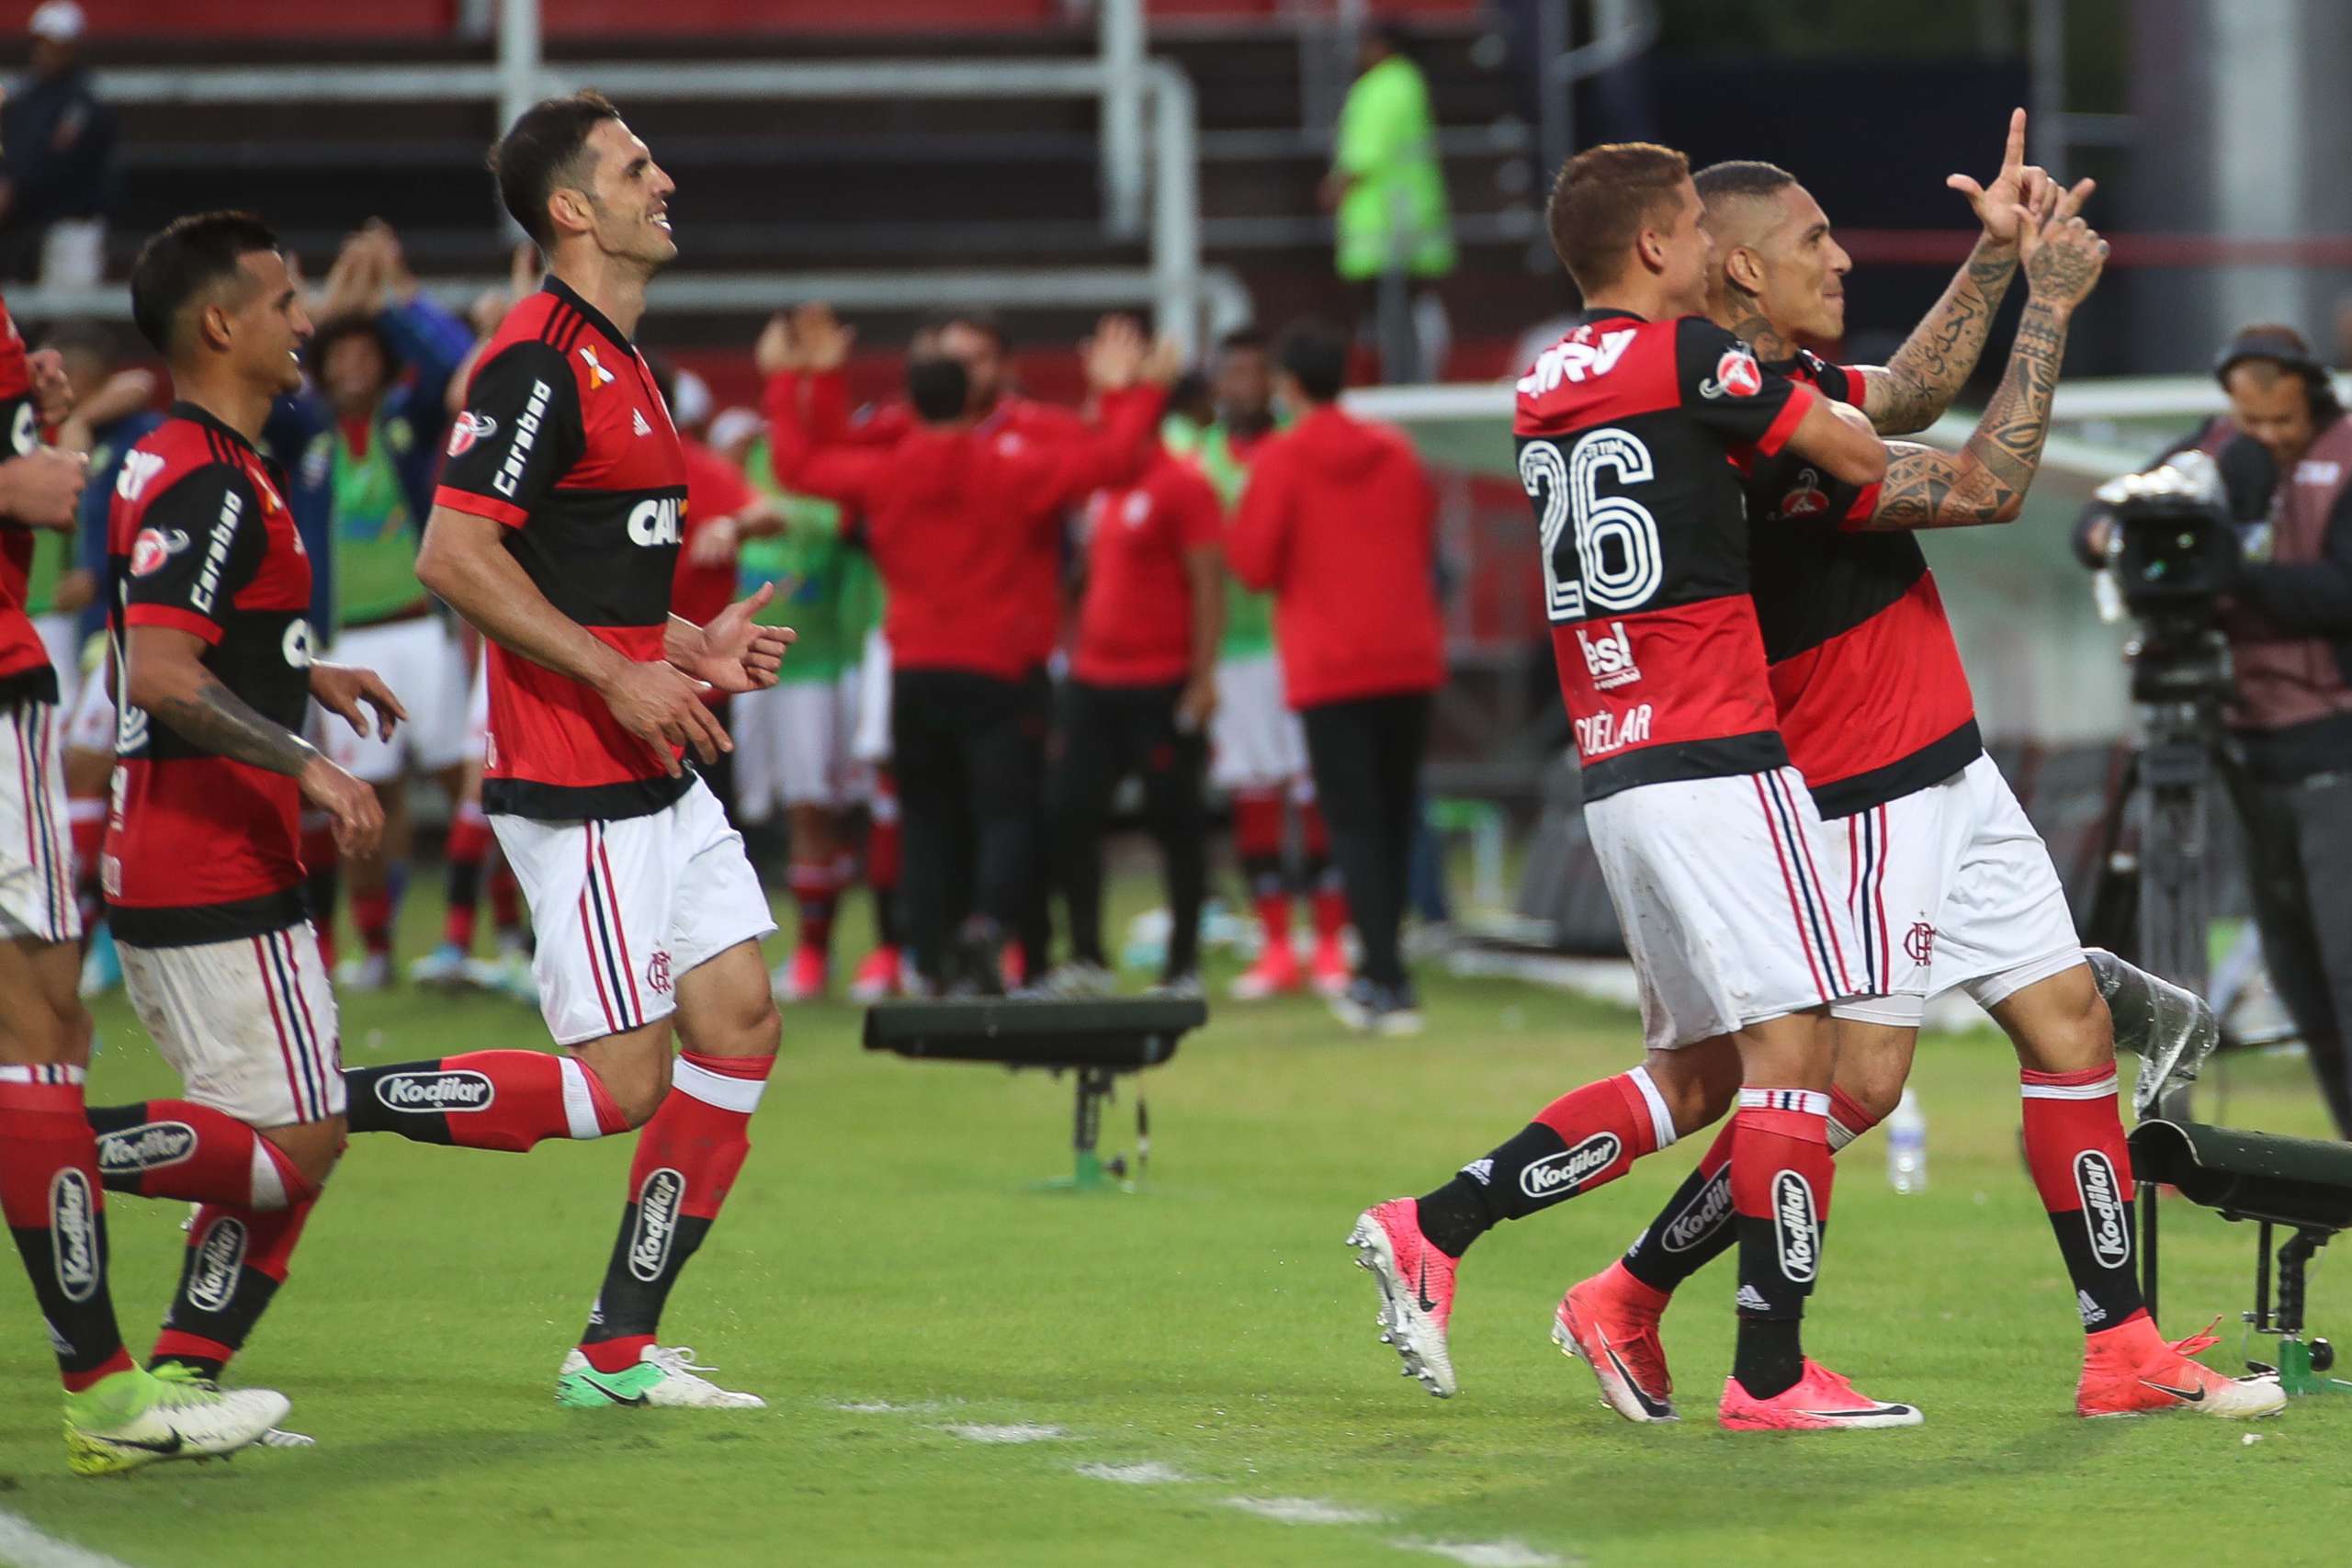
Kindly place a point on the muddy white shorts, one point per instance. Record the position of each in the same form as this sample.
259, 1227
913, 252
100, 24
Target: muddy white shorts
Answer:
421, 661
792, 746
1949, 886
36, 844
249, 1024
624, 908
1255, 741
1721, 888
62, 635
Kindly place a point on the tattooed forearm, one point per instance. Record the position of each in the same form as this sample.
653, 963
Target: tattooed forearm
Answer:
1987, 481
1914, 389
216, 719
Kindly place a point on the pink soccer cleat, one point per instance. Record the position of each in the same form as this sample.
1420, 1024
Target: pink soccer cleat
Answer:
1610, 1322
1276, 972
2132, 1369
1415, 1289
801, 978
1820, 1401
1328, 968
877, 977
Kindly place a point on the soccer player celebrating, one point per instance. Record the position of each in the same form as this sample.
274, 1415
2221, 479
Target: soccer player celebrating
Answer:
116, 1415
556, 532
201, 864
1709, 843
1949, 885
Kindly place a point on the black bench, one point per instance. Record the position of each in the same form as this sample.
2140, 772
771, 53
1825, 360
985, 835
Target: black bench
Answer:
1096, 1041
2302, 1185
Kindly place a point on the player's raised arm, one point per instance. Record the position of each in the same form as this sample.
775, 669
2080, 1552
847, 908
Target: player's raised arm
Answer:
1915, 386
1986, 482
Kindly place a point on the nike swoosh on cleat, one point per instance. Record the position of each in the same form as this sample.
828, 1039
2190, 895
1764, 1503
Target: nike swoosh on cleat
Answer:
609, 1392
164, 1448
1421, 1287
2185, 1397
1642, 1395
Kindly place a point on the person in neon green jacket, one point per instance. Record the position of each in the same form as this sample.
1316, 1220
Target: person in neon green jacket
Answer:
1387, 191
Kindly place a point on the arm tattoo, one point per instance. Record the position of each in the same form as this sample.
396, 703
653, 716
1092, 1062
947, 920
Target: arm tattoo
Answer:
1916, 386
216, 719
1987, 481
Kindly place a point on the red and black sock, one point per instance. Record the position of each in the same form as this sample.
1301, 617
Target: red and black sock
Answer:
468, 846
816, 892
1780, 1177
507, 1101
2082, 1167
177, 1149
506, 905
1695, 1227
1581, 1141
236, 1260
1257, 842
686, 1160
56, 1209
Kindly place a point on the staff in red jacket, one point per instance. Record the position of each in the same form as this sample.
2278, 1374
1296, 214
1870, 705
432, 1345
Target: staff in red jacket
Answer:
1339, 522
953, 520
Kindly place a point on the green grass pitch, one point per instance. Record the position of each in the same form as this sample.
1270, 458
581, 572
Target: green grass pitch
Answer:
885, 1276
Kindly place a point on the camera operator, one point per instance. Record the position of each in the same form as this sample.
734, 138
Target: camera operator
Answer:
2285, 460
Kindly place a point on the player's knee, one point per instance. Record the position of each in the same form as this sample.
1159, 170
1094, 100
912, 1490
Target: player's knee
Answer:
2066, 1028
312, 1148
638, 1094
1698, 1084
1875, 1085
44, 1032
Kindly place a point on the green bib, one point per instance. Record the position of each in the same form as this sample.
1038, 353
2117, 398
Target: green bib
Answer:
375, 533
1249, 615
815, 572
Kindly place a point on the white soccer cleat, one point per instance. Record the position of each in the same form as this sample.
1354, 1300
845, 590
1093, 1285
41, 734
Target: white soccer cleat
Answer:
138, 1419
665, 1375
446, 967
372, 973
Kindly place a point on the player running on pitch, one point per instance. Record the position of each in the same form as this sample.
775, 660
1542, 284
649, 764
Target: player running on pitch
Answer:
117, 1416
1705, 833
556, 532
1949, 885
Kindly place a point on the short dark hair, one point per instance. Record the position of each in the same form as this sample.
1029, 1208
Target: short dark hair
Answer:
354, 323
541, 152
1741, 178
1245, 339
1316, 355
84, 334
185, 260
1601, 202
980, 319
938, 387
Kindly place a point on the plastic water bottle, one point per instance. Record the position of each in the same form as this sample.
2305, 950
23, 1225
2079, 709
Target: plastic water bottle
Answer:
1907, 1146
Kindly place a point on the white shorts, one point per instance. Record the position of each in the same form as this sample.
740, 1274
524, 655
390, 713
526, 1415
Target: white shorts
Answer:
870, 744
90, 723
1949, 886
62, 635
36, 844
249, 1024
1720, 889
791, 745
1255, 741
421, 661
624, 908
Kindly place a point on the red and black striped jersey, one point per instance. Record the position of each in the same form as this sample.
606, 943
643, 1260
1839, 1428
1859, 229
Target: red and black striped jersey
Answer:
1624, 429
566, 440
1872, 698
200, 848
25, 673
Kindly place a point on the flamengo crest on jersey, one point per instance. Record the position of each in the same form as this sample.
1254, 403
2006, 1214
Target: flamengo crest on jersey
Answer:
1624, 429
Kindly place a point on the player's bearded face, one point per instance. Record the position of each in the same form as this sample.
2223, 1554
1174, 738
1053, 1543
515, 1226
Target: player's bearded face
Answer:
1245, 387
1804, 271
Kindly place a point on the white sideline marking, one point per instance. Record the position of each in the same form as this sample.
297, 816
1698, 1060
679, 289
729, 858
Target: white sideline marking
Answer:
1017, 1432
28, 1546
1151, 1473
1486, 1553
1303, 1511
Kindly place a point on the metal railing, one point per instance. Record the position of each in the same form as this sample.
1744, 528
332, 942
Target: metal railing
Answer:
1151, 152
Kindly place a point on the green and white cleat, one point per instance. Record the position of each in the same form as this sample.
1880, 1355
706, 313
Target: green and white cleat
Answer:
663, 1375
138, 1418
